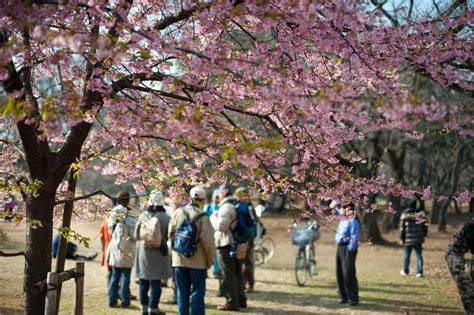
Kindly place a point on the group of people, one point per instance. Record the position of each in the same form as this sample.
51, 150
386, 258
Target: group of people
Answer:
213, 228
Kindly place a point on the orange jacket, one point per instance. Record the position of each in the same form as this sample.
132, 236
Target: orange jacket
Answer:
105, 238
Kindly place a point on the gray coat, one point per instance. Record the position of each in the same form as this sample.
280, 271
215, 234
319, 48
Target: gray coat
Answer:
150, 263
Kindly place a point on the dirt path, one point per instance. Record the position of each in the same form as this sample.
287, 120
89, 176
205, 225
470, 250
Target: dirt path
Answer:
382, 289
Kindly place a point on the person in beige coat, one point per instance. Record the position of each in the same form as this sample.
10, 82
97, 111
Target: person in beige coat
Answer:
191, 272
223, 221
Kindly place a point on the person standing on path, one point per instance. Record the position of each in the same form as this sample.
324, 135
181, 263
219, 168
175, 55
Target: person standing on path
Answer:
152, 263
121, 250
191, 272
461, 267
248, 264
413, 230
347, 240
223, 221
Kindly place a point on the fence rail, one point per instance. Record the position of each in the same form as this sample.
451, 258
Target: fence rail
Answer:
54, 279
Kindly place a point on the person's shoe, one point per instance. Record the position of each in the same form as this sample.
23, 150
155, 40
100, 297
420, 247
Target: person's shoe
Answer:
342, 301
243, 304
112, 305
250, 289
353, 303
403, 273
227, 308
125, 305
133, 297
419, 275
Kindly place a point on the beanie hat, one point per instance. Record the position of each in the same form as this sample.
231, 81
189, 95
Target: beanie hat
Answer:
197, 193
156, 198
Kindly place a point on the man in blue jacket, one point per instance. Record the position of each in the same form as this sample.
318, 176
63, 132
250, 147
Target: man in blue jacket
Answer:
347, 240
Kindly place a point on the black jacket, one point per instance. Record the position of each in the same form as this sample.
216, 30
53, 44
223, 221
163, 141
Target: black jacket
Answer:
411, 231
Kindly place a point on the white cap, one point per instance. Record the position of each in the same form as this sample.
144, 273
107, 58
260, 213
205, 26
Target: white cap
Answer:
197, 193
156, 198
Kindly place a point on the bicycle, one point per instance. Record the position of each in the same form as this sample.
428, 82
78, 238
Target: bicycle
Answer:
264, 247
305, 263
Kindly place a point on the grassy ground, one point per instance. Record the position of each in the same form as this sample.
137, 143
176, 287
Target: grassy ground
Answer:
382, 289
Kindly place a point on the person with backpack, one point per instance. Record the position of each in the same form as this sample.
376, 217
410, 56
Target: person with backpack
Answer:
152, 259
249, 221
192, 244
413, 230
121, 250
347, 240
224, 222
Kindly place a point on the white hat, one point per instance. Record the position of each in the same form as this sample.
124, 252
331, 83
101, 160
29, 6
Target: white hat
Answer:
197, 193
156, 198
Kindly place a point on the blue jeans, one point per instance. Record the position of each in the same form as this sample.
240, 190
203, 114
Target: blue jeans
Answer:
121, 275
150, 302
419, 258
191, 284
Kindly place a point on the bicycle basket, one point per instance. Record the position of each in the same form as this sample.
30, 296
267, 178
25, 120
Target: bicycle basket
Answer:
303, 237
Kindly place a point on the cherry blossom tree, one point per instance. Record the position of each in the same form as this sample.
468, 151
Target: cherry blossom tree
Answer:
175, 93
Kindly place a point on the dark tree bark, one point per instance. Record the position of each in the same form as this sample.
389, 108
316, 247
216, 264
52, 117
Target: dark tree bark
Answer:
38, 247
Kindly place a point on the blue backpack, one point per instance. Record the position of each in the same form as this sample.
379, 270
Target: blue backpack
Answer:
246, 229
184, 241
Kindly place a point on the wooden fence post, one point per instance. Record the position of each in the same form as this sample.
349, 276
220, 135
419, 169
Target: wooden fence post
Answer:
51, 293
79, 302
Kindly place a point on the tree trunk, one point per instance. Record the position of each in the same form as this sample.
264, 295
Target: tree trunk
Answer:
390, 221
370, 230
443, 219
435, 212
38, 247
457, 209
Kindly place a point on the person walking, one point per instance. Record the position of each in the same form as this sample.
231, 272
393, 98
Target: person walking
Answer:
223, 221
413, 230
121, 250
461, 267
347, 239
152, 261
191, 270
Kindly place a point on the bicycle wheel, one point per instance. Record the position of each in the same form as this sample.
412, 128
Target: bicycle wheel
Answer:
301, 270
312, 261
268, 248
259, 257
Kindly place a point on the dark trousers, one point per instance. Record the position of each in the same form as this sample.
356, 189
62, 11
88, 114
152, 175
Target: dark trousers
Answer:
346, 274
419, 258
232, 281
191, 285
249, 265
